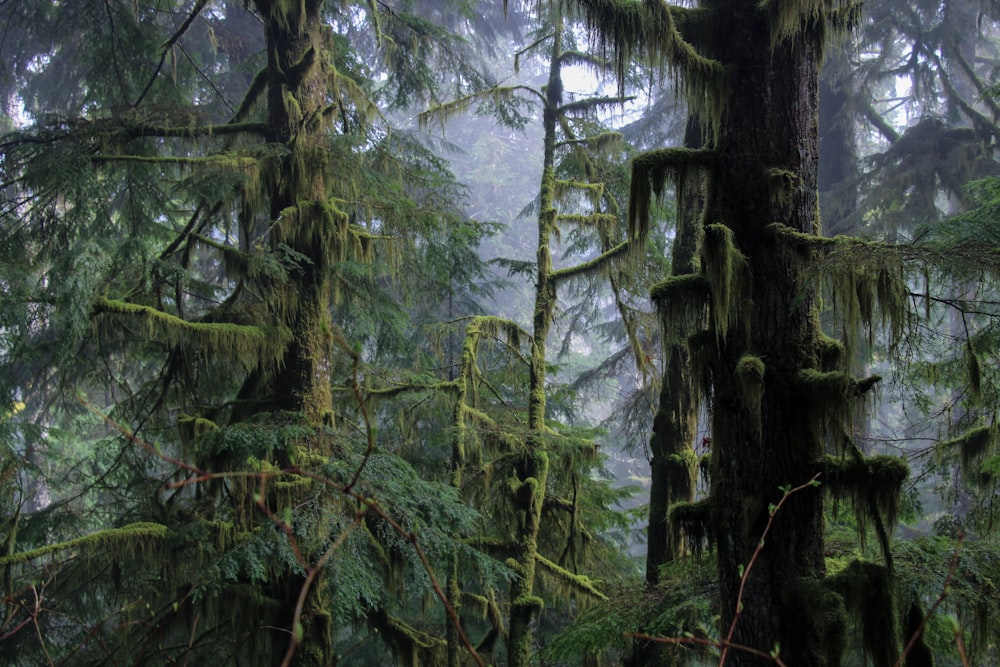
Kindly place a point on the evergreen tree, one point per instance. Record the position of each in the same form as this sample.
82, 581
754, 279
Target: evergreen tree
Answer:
200, 193
778, 388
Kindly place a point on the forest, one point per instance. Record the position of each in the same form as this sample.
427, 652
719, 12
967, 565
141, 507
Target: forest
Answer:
446, 333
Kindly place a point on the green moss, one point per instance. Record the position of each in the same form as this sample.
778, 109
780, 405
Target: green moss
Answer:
413, 647
562, 580
829, 353
682, 302
831, 400
252, 346
728, 275
651, 171
682, 473
872, 484
868, 595
971, 445
110, 543
782, 185
690, 525
750, 374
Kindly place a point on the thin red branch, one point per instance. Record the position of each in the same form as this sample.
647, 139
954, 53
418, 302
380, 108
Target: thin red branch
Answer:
753, 560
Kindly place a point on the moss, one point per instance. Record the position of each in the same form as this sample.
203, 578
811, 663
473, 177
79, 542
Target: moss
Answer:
563, 581
873, 485
782, 185
682, 302
682, 473
690, 525
830, 398
821, 618
110, 543
971, 445
750, 373
868, 595
829, 353
413, 647
728, 275
253, 346
650, 173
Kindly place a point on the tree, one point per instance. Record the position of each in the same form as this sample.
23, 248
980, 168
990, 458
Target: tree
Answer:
547, 465
778, 387
190, 201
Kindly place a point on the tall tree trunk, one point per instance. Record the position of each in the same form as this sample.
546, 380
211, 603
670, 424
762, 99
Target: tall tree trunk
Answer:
533, 469
303, 221
673, 465
766, 172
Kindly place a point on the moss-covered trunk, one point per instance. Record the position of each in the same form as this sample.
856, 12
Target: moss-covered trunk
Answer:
763, 439
302, 217
533, 469
673, 464
305, 226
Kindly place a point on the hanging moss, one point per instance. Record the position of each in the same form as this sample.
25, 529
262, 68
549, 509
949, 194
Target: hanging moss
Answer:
690, 526
831, 399
651, 171
865, 280
868, 594
252, 346
971, 445
750, 373
873, 485
682, 302
110, 543
728, 275
649, 31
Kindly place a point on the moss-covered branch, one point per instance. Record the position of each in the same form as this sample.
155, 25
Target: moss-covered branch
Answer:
652, 170
872, 483
690, 524
113, 541
252, 345
578, 582
591, 266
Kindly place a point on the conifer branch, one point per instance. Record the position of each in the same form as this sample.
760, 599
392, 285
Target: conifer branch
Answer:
168, 45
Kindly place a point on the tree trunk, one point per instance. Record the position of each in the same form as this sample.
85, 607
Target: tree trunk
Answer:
302, 220
766, 172
672, 467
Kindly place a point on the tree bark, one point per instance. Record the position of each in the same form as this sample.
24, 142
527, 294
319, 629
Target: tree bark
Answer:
766, 172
